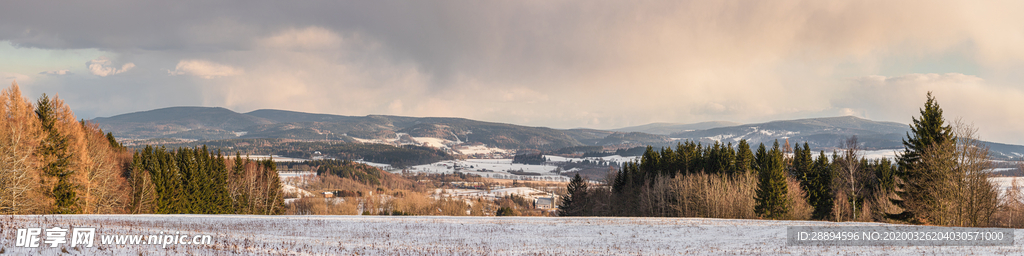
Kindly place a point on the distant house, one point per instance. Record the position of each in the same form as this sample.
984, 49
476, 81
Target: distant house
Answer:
546, 202
328, 194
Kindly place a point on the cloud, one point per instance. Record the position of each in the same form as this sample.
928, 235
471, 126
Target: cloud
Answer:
205, 69
9, 77
989, 105
102, 67
309, 38
564, 64
60, 72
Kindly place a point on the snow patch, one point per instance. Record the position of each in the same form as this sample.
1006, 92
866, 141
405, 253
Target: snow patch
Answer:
433, 142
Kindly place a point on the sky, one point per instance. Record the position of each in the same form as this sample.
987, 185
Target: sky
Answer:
560, 64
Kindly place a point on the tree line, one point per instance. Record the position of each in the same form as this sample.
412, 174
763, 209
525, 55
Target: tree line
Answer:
938, 179
197, 181
52, 164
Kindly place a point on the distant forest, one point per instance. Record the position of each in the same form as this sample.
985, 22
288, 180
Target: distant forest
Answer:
399, 157
941, 178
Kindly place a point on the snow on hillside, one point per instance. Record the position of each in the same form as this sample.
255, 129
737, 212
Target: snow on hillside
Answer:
378, 165
438, 235
480, 150
432, 142
289, 189
492, 168
275, 157
493, 193
457, 147
612, 158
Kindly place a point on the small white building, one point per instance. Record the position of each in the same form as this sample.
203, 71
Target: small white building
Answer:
546, 202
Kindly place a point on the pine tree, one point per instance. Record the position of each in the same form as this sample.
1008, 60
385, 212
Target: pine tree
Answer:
802, 165
649, 164
744, 158
667, 162
687, 156
819, 192
771, 197
239, 188
274, 198
928, 131
56, 155
113, 142
141, 184
575, 201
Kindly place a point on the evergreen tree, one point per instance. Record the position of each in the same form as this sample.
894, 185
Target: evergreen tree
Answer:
771, 197
928, 131
575, 201
274, 198
727, 158
697, 163
667, 162
802, 165
240, 192
744, 158
819, 191
56, 159
113, 142
688, 155
649, 164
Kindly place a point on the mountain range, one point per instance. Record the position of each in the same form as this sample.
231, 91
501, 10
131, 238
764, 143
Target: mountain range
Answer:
214, 123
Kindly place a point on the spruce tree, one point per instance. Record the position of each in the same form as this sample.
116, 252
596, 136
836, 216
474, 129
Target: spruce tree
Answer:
274, 197
687, 156
574, 203
113, 142
802, 165
771, 191
819, 191
56, 159
649, 164
928, 131
667, 163
744, 158
241, 191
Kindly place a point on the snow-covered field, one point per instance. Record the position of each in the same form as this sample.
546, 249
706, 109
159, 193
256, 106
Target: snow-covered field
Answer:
429, 235
878, 154
1005, 183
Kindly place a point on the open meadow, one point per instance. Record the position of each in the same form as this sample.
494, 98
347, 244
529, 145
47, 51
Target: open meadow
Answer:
430, 235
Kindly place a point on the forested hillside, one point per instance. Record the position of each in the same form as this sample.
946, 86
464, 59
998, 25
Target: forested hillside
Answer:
198, 124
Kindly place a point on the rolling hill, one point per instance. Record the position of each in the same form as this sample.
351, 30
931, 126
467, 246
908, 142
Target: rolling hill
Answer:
669, 128
821, 133
203, 124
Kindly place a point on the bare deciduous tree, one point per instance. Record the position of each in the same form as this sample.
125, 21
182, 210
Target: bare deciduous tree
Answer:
962, 194
19, 136
976, 196
851, 175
